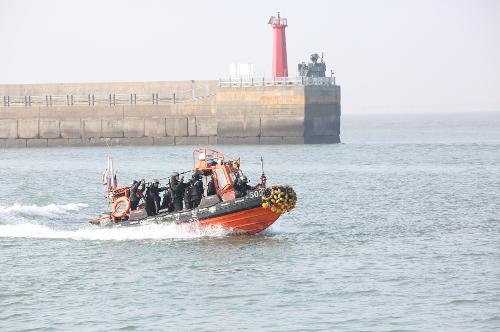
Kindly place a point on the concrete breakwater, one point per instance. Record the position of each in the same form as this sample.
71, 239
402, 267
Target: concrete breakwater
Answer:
170, 113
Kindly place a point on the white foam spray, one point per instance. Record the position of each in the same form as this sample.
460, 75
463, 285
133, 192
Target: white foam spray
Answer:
144, 232
30, 221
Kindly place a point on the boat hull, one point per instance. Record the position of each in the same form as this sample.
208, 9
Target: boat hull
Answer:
243, 215
249, 221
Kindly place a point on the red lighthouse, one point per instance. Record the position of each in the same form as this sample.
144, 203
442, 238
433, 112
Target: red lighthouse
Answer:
280, 65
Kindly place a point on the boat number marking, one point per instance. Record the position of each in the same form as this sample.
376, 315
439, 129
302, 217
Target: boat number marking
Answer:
256, 193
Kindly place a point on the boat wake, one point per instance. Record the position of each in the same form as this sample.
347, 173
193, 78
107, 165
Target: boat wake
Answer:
145, 232
46, 222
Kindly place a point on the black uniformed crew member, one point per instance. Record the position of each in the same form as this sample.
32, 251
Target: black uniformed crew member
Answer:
177, 187
196, 189
241, 186
153, 198
187, 195
136, 190
211, 187
166, 202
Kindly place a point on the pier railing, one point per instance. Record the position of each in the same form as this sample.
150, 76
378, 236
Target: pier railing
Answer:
109, 99
274, 81
156, 98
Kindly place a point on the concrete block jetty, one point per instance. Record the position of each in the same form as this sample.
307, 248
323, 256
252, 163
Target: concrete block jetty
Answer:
251, 111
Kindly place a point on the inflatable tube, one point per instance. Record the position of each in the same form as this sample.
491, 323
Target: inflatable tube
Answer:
117, 208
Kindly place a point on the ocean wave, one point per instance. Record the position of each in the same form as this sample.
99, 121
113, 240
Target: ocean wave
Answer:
144, 232
48, 211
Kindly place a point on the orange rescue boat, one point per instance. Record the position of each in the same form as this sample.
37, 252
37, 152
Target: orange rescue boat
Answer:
245, 211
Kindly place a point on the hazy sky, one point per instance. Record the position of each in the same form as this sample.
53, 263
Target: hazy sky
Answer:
387, 55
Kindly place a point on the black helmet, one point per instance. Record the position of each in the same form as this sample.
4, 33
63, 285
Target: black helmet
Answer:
244, 179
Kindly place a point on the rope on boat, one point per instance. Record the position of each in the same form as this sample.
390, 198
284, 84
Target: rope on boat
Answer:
279, 199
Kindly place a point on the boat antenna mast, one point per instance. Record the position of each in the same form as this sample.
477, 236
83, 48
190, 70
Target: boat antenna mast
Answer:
263, 178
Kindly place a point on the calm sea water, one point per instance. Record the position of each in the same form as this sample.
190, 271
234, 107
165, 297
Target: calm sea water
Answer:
396, 229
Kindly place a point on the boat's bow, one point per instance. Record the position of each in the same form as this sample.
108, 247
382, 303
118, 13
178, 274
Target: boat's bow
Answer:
271, 204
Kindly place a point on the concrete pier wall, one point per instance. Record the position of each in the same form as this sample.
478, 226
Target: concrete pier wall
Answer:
322, 114
260, 115
293, 114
